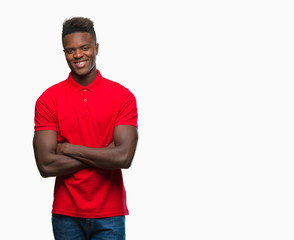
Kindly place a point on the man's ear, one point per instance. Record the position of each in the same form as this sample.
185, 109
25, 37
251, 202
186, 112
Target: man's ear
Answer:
97, 48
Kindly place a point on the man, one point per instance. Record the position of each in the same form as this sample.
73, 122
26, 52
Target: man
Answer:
85, 133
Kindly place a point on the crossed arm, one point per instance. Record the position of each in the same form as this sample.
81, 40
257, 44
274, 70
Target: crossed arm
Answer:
58, 159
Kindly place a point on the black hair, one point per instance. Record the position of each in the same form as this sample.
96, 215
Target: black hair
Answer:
78, 24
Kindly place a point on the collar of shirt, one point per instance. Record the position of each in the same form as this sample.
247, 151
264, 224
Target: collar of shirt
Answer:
77, 87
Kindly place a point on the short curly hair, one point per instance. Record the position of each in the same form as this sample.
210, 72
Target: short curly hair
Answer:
78, 24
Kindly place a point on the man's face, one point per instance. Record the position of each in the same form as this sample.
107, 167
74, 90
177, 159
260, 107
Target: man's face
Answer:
80, 52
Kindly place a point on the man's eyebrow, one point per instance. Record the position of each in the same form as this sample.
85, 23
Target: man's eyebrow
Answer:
84, 45
87, 44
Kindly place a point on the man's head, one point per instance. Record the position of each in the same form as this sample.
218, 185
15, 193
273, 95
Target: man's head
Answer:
80, 47
78, 24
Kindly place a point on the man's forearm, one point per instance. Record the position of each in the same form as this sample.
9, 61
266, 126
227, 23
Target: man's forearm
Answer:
119, 154
60, 165
111, 157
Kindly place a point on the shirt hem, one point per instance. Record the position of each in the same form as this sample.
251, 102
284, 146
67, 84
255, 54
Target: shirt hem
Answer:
90, 215
45, 128
126, 123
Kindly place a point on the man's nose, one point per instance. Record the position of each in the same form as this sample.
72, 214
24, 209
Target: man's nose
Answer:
78, 53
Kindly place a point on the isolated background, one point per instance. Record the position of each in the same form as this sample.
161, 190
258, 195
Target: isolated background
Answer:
214, 85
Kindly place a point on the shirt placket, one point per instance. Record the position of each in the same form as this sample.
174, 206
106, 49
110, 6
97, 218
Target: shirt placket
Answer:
84, 95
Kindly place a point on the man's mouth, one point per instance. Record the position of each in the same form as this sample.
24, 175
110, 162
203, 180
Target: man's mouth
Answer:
80, 64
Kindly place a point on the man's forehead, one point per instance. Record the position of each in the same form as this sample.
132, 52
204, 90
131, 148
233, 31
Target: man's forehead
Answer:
78, 39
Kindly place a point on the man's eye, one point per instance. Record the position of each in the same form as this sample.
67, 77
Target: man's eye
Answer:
85, 48
68, 51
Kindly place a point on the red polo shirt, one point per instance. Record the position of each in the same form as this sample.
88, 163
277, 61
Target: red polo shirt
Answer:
87, 116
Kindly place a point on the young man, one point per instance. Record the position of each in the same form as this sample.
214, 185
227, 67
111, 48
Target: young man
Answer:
85, 133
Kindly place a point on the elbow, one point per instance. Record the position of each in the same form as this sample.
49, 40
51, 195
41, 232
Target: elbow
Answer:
126, 164
44, 172
128, 158
126, 161
45, 165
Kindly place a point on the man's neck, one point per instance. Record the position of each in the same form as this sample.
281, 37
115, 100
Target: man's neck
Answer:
85, 80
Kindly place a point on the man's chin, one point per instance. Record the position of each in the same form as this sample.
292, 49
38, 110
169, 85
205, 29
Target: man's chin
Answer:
80, 72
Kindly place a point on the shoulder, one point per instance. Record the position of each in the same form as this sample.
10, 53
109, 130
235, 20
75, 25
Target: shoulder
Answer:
49, 98
56, 87
54, 90
115, 88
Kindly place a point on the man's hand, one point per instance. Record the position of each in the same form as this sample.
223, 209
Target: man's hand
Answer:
49, 158
58, 159
60, 149
118, 154
111, 145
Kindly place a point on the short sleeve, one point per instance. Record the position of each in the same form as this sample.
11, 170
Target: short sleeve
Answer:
128, 113
45, 116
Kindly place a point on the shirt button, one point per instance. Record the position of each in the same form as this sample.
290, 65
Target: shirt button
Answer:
85, 100
85, 90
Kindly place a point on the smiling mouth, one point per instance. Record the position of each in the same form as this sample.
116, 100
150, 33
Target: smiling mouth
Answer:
80, 64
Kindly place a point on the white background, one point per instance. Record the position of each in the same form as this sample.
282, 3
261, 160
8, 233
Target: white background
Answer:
214, 85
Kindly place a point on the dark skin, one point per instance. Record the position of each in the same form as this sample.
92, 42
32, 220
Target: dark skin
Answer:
81, 48
59, 159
